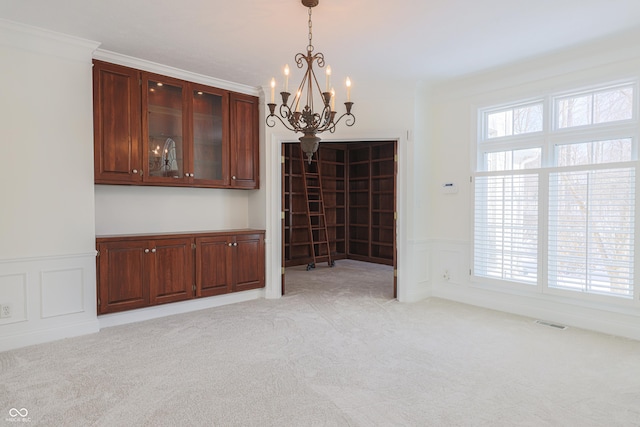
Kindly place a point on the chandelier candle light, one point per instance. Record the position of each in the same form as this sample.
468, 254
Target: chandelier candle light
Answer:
300, 116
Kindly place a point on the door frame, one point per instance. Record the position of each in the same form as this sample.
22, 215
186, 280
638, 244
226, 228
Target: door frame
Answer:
412, 255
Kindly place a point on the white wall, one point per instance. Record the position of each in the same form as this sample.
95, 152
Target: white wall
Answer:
454, 110
135, 209
47, 246
47, 191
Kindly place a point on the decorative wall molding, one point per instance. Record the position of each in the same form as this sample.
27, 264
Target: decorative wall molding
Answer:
45, 42
455, 257
419, 269
50, 298
62, 292
13, 292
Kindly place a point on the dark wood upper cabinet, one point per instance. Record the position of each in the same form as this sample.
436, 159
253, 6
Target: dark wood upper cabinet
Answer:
157, 130
209, 133
116, 121
244, 132
165, 127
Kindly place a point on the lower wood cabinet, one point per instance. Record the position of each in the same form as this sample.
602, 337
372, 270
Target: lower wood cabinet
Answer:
138, 271
229, 263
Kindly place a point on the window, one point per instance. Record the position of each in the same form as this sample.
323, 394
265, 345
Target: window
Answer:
591, 221
515, 120
555, 205
528, 158
594, 152
603, 106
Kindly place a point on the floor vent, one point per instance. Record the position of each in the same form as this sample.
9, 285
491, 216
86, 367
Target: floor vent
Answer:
551, 325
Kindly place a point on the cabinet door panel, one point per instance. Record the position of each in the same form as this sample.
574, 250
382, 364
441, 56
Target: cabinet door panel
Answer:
116, 118
210, 135
164, 129
213, 265
248, 262
123, 282
171, 271
244, 141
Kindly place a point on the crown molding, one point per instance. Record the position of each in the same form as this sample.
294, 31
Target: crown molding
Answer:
25, 37
153, 67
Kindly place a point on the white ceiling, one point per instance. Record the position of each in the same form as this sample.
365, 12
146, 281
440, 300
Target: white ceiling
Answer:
249, 41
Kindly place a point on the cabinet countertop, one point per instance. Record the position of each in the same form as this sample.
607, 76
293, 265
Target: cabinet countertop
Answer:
177, 234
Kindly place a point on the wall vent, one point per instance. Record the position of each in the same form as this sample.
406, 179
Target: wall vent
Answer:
551, 325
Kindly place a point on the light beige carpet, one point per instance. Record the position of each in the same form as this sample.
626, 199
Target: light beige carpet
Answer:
335, 351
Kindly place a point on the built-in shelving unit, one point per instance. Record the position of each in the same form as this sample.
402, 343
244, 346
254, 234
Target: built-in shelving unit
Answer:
358, 184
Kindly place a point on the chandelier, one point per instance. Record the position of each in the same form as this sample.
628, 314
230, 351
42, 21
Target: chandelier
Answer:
300, 115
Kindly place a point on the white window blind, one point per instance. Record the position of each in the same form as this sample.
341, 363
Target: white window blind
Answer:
506, 227
591, 230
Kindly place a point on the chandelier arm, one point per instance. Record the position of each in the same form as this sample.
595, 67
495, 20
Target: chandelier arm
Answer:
285, 111
271, 123
319, 58
349, 121
300, 59
325, 119
297, 97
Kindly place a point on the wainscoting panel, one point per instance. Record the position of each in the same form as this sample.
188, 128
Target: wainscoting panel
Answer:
451, 263
414, 272
50, 298
451, 281
13, 294
61, 292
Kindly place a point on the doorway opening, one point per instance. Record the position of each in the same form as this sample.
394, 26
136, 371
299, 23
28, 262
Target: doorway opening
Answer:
342, 206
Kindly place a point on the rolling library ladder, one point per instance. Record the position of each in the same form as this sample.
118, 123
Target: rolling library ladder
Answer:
318, 236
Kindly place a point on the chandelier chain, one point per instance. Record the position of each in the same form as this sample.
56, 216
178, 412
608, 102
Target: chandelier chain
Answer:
310, 47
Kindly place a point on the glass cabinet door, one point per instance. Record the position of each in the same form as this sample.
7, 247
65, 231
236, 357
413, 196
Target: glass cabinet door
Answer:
210, 134
164, 129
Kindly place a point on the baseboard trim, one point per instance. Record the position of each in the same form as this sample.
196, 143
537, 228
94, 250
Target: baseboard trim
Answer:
592, 319
25, 339
149, 313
